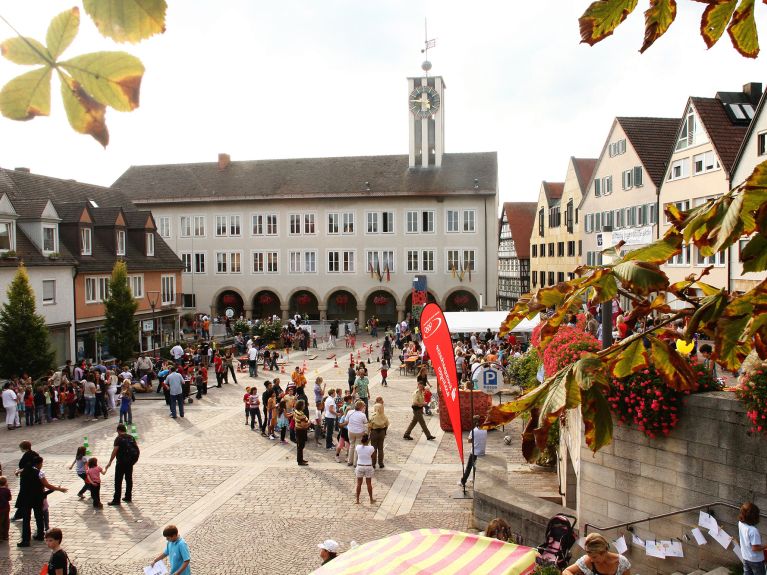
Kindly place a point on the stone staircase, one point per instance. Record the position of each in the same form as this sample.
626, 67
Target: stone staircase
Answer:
717, 571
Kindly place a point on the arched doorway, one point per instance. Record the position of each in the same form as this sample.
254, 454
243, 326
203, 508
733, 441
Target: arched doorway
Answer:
383, 306
342, 305
461, 300
266, 304
305, 303
229, 304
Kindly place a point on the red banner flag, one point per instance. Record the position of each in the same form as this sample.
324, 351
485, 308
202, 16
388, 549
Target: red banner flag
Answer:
436, 338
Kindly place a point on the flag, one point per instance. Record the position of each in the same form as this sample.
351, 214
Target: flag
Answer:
378, 271
436, 338
388, 276
452, 270
370, 265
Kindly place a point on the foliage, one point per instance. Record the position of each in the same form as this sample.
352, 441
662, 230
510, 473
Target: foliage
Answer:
602, 17
241, 326
23, 333
89, 82
119, 311
736, 323
268, 330
754, 396
522, 370
548, 455
546, 569
643, 399
566, 347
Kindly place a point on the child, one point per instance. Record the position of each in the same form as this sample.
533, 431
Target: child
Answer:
384, 372
201, 383
5, 508
29, 407
126, 412
246, 401
427, 399
71, 401
93, 475
39, 405
82, 462
176, 550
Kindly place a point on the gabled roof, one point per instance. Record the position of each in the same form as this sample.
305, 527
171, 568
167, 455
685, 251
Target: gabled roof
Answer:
71, 212
521, 218
553, 190
368, 176
140, 220
30, 255
757, 114
106, 217
725, 136
31, 209
584, 170
653, 141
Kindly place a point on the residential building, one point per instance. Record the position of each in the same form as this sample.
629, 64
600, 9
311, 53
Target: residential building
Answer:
94, 228
516, 226
556, 242
333, 238
707, 141
623, 193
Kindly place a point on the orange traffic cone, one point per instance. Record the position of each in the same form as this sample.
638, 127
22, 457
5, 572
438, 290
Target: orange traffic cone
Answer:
335, 362
303, 368
282, 368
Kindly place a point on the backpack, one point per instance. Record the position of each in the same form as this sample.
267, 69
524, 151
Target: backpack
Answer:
132, 451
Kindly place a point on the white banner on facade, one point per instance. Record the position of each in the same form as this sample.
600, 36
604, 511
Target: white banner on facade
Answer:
634, 236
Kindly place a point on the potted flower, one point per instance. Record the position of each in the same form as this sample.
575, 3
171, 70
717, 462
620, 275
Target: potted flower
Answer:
10, 255
54, 256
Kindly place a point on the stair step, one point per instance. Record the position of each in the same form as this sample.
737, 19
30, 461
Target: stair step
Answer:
697, 572
719, 571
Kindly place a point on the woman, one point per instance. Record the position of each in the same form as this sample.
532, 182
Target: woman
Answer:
378, 425
498, 529
301, 422
357, 424
750, 541
9, 403
228, 366
599, 560
364, 468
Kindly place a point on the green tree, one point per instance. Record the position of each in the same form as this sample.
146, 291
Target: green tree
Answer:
120, 309
23, 334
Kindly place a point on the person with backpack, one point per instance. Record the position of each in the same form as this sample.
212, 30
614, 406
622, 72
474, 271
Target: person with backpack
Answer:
59, 563
127, 452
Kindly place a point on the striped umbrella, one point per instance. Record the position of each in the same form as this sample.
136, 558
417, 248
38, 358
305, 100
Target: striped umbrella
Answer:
432, 552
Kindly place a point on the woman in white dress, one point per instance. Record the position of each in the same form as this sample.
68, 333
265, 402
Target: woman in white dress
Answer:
599, 560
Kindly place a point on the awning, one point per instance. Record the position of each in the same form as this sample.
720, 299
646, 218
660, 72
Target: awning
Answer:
432, 552
480, 321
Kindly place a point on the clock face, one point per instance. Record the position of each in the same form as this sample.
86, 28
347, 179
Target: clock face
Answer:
424, 102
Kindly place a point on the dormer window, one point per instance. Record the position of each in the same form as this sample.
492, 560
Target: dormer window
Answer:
49, 239
85, 242
6, 236
150, 244
120, 242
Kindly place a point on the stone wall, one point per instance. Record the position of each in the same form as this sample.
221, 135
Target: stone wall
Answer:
708, 457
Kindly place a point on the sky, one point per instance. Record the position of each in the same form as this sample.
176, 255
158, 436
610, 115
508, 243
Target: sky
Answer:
262, 80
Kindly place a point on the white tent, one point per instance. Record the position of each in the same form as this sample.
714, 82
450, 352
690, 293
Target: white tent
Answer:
470, 321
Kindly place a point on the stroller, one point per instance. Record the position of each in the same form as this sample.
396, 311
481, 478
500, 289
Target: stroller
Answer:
560, 537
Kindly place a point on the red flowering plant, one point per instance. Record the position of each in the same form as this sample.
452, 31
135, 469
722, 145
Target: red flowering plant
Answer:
754, 395
567, 347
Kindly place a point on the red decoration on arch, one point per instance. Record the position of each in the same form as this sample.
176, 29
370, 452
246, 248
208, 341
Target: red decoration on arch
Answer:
304, 299
229, 299
342, 299
380, 300
265, 299
461, 299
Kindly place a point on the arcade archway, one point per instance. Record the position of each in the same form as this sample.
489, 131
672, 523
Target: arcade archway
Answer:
382, 305
304, 303
461, 300
229, 303
266, 304
342, 305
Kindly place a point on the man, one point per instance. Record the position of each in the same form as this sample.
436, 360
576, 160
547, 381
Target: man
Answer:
175, 385
177, 352
417, 404
29, 500
218, 366
329, 413
478, 440
9, 404
143, 365
361, 386
253, 361
264, 403
124, 450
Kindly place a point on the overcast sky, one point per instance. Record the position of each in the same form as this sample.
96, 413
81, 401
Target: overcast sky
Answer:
310, 78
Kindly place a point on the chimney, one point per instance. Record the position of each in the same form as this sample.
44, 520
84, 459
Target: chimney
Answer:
754, 91
25, 170
224, 160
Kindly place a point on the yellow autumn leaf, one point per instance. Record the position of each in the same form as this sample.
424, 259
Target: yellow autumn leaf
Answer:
742, 30
112, 78
86, 115
25, 51
61, 31
127, 20
27, 96
658, 18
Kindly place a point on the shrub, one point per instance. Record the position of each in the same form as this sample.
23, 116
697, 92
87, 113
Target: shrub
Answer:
754, 396
241, 326
523, 369
268, 330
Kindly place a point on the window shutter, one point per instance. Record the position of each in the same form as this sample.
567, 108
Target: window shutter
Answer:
597, 187
638, 176
623, 180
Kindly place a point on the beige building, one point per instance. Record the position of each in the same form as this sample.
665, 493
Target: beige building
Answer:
556, 245
708, 139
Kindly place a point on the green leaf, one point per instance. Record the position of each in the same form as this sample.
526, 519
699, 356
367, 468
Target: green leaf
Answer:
641, 277
673, 368
731, 225
630, 360
602, 281
127, 20
602, 18
754, 196
729, 347
658, 17
61, 31
588, 371
742, 30
112, 78
658, 252
27, 96
25, 51
715, 19
507, 412
754, 255
708, 313
86, 115
597, 418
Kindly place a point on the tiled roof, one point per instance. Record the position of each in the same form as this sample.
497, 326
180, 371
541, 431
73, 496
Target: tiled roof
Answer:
31, 256
584, 170
553, 190
653, 140
368, 176
31, 209
725, 136
757, 113
521, 218
105, 216
137, 219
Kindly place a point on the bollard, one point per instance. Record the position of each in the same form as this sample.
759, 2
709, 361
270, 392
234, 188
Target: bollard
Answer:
87, 447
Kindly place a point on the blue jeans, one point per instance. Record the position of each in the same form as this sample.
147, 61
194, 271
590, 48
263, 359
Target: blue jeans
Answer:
90, 406
177, 399
753, 567
330, 425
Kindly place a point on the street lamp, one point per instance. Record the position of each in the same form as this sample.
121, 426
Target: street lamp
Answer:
153, 297
606, 238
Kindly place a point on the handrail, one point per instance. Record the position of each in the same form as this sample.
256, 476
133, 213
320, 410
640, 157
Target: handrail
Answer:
628, 524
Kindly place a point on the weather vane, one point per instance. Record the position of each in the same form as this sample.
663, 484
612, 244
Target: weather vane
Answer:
426, 66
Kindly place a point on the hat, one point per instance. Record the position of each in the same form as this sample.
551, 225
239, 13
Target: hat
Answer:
329, 545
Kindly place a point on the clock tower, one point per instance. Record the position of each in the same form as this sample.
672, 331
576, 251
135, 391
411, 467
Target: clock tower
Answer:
426, 111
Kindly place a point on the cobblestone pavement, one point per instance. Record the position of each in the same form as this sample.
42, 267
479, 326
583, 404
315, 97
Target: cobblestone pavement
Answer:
239, 500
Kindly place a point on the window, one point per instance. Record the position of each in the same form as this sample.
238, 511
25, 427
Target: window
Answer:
333, 225
642, 215
221, 225
310, 262
714, 260
627, 179
705, 162
560, 277
185, 226
452, 261
199, 263
49, 292
560, 249
469, 220
163, 226
258, 263
607, 185
682, 258
555, 217
412, 260
190, 300
49, 239
309, 224
334, 262
543, 278
227, 262
85, 239
551, 249
542, 250
186, 259
597, 187
535, 251
427, 260
348, 261
580, 248
588, 223
372, 223
348, 220
221, 263
452, 221
469, 260
617, 148
271, 224
638, 176
257, 225
120, 242
199, 229
387, 222
234, 225
534, 278
295, 224
412, 222
137, 286
551, 278
690, 134
103, 288
540, 222
272, 261
653, 211
569, 216
571, 248
149, 243
679, 169
90, 290
294, 262
168, 290
761, 143
234, 262
427, 222
681, 206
